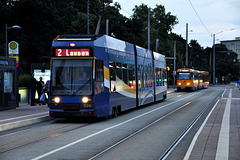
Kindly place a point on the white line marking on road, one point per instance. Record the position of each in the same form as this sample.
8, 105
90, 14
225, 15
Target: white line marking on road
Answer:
104, 130
223, 141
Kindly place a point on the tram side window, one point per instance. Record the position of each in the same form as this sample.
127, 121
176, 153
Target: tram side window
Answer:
195, 76
157, 76
151, 76
164, 78
143, 76
99, 81
125, 73
201, 77
119, 70
206, 78
161, 77
147, 75
112, 76
131, 71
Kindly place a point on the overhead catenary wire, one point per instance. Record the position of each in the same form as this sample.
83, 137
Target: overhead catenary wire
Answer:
199, 18
126, 12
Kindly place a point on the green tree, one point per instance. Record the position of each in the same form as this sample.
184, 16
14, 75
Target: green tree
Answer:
226, 64
161, 24
196, 56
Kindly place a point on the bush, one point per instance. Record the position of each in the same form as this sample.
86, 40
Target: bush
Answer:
24, 80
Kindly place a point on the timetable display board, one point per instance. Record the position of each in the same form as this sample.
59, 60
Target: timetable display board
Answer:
45, 75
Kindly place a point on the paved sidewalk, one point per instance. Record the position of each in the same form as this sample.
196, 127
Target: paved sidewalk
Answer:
22, 116
219, 136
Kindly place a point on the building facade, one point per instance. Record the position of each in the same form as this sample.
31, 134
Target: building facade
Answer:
233, 45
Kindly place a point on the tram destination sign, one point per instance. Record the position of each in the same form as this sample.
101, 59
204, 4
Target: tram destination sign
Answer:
83, 52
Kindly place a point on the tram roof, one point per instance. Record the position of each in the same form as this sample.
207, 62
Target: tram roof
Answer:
187, 70
103, 41
108, 42
113, 43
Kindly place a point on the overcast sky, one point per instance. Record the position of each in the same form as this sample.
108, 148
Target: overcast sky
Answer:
220, 17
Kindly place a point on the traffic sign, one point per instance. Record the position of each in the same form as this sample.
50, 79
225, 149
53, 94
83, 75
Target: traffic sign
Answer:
13, 47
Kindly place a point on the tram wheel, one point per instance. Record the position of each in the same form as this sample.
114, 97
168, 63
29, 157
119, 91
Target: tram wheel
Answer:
115, 111
164, 96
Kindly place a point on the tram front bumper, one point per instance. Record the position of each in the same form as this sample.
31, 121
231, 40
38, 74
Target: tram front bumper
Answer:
68, 113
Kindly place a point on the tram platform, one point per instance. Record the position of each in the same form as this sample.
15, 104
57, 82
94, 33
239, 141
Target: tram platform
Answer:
22, 116
219, 136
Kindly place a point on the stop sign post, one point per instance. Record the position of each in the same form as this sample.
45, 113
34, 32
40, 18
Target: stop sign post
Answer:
13, 49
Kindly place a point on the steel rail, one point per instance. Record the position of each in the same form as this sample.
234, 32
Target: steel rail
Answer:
182, 135
166, 153
138, 131
41, 139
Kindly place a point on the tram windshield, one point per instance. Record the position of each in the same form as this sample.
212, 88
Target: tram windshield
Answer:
71, 77
184, 76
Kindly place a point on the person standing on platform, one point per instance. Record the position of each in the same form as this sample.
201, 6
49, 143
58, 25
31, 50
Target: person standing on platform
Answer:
47, 88
33, 86
40, 86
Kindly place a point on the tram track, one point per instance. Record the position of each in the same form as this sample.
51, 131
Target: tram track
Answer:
21, 130
137, 132
44, 138
188, 128
131, 135
161, 115
175, 143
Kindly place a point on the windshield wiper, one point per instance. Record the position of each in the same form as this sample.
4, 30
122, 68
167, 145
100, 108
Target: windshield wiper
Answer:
80, 88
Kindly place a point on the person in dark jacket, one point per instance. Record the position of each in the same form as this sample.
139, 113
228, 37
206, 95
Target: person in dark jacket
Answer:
33, 86
47, 88
40, 85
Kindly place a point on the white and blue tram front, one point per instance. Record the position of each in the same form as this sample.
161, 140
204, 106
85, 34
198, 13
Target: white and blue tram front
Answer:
77, 81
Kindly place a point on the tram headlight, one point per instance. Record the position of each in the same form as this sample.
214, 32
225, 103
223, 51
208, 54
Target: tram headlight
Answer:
179, 83
56, 99
188, 84
85, 99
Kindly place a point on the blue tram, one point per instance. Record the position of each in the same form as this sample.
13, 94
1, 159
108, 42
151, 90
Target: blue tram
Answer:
102, 76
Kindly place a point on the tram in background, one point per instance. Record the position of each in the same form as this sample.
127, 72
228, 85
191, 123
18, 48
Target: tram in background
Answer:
117, 76
187, 79
205, 79
200, 79
190, 79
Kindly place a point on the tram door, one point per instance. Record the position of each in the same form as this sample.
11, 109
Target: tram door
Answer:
1, 88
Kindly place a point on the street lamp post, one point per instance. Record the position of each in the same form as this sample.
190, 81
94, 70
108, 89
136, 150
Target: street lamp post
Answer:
6, 29
17, 73
214, 78
187, 45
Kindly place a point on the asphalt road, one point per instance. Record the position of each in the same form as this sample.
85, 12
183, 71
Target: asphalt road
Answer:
143, 133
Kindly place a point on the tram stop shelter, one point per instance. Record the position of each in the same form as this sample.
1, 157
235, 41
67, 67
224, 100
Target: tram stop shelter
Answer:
8, 84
